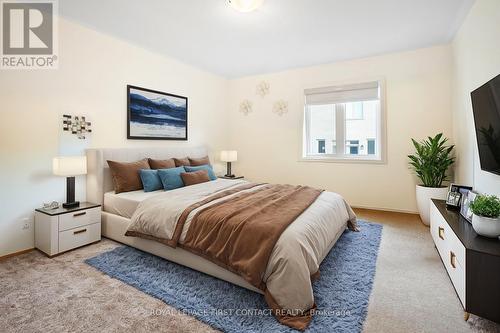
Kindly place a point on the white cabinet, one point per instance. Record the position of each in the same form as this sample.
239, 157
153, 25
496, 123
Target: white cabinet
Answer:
472, 261
60, 230
451, 251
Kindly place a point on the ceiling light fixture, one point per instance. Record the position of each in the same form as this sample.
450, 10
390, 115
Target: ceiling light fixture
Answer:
245, 6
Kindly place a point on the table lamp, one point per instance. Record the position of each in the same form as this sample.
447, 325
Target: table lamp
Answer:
70, 167
229, 156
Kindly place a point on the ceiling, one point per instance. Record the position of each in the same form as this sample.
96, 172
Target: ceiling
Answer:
282, 34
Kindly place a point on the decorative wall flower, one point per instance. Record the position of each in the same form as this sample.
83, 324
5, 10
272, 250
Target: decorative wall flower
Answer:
262, 88
246, 107
280, 107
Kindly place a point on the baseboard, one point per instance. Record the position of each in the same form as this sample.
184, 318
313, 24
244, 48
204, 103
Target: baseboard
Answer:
387, 209
16, 253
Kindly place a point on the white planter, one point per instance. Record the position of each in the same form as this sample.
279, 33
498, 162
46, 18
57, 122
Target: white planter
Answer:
424, 196
486, 226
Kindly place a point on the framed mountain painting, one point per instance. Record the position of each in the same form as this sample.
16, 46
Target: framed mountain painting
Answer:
155, 115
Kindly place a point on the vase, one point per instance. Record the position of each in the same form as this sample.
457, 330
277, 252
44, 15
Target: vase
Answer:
486, 226
424, 196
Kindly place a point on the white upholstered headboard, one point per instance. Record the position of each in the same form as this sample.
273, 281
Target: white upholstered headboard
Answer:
99, 179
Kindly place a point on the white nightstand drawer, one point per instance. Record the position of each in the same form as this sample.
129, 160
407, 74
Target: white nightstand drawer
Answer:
79, 218
76, 237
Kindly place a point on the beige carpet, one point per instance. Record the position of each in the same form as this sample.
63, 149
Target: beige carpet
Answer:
411, 293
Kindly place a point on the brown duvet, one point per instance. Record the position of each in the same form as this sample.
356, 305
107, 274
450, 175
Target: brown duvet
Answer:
238, 229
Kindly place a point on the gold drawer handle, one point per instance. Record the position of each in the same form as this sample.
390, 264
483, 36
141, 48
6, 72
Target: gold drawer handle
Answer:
79, 214
441, 233
79, 231
453, 259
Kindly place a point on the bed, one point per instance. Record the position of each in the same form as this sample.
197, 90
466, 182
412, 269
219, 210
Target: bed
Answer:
324, 221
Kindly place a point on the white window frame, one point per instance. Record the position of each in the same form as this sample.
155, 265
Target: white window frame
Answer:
381, 143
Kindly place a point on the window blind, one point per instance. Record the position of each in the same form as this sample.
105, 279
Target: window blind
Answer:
367, 91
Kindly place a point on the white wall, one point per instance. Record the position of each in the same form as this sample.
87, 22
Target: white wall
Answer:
476, 60
418, 104
93, 72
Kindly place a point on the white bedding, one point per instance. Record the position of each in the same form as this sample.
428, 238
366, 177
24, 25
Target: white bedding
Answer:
124, 204
297, 254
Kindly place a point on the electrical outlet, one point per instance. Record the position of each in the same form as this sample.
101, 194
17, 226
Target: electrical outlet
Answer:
26, 223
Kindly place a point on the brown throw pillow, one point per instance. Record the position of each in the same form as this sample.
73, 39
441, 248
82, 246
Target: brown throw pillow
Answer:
195, 177
126, 176
199, 161
181, 161
161, 164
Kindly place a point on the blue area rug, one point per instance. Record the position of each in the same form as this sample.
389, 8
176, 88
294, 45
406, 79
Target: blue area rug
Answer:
341, 293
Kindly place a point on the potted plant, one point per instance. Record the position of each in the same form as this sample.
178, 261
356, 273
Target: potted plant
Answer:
486, 215
430, 163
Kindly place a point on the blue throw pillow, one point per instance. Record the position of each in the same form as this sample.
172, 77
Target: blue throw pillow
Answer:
171, 178
150, 180
211, 173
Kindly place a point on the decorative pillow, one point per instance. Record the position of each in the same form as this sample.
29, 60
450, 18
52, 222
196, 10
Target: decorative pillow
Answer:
161, 164
181, 161
211, 173
199, 161
171, 178
196, 177
150, 180
126, 175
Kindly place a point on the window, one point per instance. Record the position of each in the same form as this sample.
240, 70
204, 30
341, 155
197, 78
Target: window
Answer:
321, 129
348, 114
321, 146
353, 147
371, 146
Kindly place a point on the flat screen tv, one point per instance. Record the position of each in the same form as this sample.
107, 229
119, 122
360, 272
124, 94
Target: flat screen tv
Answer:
486, 109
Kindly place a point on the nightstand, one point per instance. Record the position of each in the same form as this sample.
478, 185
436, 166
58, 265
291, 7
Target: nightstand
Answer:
63, 229
235, 177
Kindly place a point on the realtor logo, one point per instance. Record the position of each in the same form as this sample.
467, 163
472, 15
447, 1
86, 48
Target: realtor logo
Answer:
28, 34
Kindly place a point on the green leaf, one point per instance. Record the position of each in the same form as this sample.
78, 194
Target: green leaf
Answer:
486, 205
432, 160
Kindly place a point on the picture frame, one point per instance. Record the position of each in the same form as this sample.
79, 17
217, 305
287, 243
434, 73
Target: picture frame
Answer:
156, 115
465, 205
453, 199
455, 195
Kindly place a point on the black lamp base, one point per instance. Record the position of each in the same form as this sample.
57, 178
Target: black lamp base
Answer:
71, 204
228, 172
70, 194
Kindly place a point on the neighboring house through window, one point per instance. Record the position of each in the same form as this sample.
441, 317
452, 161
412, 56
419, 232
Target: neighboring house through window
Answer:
354, 111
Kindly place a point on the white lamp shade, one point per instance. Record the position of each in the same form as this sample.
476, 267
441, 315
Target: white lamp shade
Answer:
229, 156
69, 166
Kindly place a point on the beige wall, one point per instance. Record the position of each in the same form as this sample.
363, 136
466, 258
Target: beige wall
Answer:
418, 104
95, 68
476, 60
91, 80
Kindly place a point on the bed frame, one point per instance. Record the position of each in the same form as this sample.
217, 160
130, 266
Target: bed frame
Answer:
99, 181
